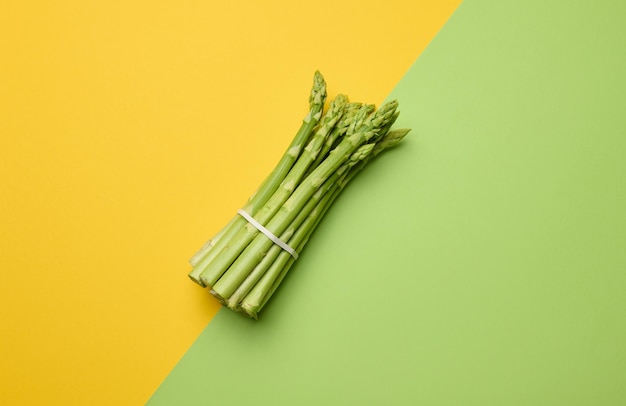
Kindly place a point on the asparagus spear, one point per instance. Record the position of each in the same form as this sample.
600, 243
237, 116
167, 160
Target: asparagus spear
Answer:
255, 250
209, 244
263, 290
317, 99
389, 140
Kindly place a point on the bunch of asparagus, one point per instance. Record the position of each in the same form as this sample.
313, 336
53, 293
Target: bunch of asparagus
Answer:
242, 265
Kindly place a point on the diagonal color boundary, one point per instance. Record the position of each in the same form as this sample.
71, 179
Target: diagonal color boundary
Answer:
496, 275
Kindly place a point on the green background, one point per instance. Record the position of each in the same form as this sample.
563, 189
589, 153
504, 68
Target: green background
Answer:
482, 261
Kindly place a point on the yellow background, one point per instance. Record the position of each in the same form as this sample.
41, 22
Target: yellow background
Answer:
129, 134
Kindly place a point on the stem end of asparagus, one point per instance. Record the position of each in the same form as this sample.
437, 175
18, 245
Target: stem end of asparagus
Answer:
218, 297
250, 311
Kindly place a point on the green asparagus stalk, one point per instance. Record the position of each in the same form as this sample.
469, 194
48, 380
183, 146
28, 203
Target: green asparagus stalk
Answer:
274, 251
210, 244
255, 250
213, 272
206, 247
389, 140
317, 99
264, 289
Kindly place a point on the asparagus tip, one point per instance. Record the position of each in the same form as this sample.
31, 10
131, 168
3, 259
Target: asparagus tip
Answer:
318, 91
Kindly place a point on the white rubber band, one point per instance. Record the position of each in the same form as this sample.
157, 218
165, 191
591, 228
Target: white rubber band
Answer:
268, 233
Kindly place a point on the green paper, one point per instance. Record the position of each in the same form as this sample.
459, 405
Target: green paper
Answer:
483, 261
